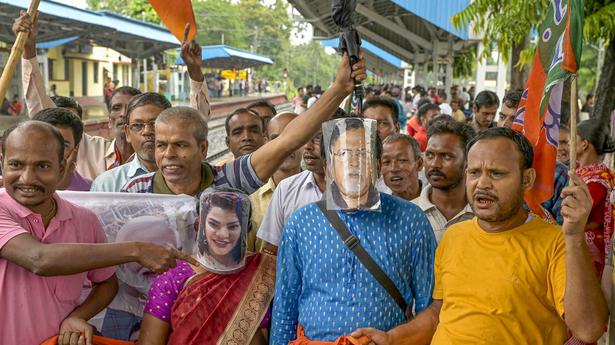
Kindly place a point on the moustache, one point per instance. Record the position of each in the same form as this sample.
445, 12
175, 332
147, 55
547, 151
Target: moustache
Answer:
486, 195
35, 186
435, 172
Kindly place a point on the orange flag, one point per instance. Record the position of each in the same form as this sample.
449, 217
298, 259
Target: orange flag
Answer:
175, 14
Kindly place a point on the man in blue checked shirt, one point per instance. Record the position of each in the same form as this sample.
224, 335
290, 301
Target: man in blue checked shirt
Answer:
323, 291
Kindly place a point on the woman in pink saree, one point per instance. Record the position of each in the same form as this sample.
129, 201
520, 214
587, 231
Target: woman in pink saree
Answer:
226, 297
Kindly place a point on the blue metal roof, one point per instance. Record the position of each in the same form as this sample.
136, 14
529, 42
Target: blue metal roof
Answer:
55, 43
101, 18
222, 56
438, 12
384, 55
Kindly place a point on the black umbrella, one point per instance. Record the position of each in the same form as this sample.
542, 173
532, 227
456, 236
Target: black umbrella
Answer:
343, 15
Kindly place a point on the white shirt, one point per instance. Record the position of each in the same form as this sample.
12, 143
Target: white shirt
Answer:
291, 194
113, 180
446, 109
436, 218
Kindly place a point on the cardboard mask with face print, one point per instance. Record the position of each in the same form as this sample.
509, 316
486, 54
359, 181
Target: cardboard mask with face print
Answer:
351, 169
223, 230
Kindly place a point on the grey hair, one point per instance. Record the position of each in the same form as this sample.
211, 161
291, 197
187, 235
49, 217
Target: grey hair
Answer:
395, 137
186, 114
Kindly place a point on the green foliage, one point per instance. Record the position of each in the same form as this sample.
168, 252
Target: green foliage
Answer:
587, 70
599, 20
253, 25
137, 9
505, 24
465, 64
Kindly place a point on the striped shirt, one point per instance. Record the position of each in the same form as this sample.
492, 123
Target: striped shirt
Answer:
238, 174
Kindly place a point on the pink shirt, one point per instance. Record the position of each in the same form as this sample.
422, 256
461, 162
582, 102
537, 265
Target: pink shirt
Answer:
33, 307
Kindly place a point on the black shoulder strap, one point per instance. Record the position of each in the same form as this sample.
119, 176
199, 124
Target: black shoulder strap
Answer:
352, 242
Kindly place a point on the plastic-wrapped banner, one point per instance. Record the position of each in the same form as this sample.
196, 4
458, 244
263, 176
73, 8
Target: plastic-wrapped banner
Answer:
223, 230
168, 220
351, 169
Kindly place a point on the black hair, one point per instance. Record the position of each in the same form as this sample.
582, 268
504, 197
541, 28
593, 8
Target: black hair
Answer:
442, 118
339, 113
229, 202
464, 132
395, 137
54, 131
597, 134
67, 102
146, 98
423, 109
523, 145
262, 103
61, 117
352, 122
422, 101
125, 90
242, 111
486, 98
512, 98
385, 102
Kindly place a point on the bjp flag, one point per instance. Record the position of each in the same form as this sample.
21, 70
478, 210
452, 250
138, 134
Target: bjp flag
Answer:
538, 116
175, 15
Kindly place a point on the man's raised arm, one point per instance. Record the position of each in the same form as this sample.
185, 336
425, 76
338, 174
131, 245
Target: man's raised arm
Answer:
267, 159
31, 77
192, 55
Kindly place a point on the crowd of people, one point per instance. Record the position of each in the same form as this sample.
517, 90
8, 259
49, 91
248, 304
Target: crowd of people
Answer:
405, 224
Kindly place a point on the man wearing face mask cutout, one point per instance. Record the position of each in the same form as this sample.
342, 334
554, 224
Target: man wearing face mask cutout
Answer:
321, 295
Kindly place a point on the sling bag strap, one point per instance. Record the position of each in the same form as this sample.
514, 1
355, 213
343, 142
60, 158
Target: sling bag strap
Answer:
352, 242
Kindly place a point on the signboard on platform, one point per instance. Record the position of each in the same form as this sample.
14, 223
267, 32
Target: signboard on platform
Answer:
233, 74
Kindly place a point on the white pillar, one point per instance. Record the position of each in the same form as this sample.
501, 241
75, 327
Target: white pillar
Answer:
501, 83
155, 77
481, 70
144, 75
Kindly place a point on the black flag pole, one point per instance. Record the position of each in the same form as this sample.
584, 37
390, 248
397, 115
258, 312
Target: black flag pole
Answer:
343, 12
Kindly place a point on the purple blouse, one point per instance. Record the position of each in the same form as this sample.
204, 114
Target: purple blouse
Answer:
167, 286
165, 289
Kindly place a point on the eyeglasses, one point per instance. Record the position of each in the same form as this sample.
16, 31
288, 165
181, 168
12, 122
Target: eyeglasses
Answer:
346, 154
139, 127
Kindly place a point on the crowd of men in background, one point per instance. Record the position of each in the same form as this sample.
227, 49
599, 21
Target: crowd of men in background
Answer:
466, 260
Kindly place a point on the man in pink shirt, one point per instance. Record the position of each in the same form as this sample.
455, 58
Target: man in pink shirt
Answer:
48, 246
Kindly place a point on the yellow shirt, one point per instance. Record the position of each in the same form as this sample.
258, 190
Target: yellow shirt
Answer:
501, 288
260, 202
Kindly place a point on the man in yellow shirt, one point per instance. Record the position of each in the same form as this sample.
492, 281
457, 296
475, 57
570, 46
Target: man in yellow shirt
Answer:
506, 277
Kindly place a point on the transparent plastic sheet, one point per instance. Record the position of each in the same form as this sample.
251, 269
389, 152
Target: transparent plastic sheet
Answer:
168, 220
223, 230
351, 168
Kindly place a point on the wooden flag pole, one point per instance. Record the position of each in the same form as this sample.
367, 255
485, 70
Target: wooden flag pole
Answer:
11, 63
573, 124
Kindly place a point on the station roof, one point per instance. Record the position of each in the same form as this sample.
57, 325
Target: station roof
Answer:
414, 31
222, 56
378, 61
130, 37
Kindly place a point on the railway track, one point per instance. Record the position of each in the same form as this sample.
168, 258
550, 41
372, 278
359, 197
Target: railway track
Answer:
217, 135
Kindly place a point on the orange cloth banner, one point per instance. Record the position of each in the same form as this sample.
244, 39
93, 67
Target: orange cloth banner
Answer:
96, 340
175, 15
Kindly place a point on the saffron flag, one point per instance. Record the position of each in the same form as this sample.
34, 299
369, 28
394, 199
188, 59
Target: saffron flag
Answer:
557, 57
175, 15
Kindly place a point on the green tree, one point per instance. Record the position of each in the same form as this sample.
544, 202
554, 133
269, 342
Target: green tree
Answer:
137, 9
506, 25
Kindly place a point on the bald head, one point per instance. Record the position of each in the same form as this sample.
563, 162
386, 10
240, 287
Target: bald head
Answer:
33, 131
278, 123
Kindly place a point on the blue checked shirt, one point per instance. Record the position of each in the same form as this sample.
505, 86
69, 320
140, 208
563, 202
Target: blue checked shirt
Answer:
554, 205
324, 287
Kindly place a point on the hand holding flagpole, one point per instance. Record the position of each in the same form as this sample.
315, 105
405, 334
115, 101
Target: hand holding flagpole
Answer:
573, 124
11, 63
